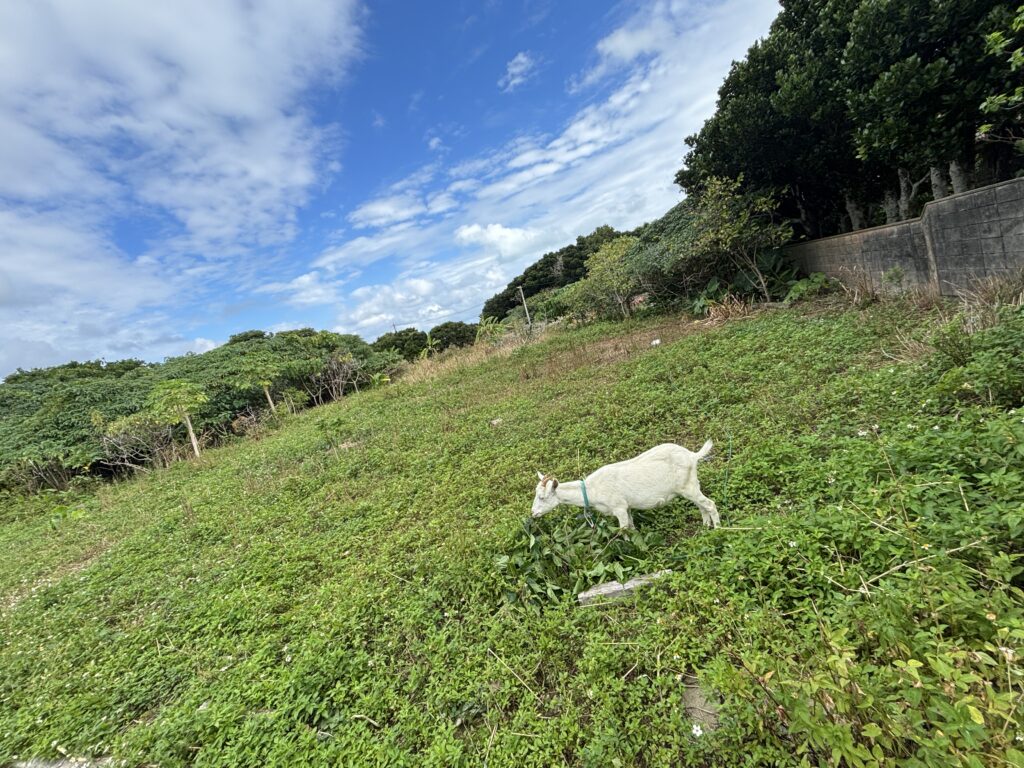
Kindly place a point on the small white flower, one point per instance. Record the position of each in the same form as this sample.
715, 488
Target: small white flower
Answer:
1018, 737
697, 730
792, 544
831, 479
1008, 653
936, 427
874, 427
862, 433
911, 426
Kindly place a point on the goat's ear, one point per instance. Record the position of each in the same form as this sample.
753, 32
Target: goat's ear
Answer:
540, 475
554, 484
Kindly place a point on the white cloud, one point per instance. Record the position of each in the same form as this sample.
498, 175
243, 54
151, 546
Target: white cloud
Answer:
200, 344
435, 143
387, 210
188, 116
521, 68
305, 290
441, 203
649, 33
502, 240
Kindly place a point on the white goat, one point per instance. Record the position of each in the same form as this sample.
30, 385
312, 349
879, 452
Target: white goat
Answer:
653, 478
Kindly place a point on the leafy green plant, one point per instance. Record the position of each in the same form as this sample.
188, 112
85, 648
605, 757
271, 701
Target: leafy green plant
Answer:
812, 286
711, 294
987, 366
176, 402
551, 561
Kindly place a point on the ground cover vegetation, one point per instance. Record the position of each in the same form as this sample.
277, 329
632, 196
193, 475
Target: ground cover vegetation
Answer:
361, 586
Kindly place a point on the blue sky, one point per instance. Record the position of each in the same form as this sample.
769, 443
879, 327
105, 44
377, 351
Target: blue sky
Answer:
173, 173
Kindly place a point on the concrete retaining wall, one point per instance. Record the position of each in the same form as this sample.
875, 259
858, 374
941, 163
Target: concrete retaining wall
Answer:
956, 241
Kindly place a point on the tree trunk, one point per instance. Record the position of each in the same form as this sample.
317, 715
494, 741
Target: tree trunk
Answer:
806, 218
958, 175
855, 212
273, 408
905, 193
192, 434
622, 304
891, 207
908, 191
940, 188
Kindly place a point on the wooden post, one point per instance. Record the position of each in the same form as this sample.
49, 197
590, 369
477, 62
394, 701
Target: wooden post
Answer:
521, 296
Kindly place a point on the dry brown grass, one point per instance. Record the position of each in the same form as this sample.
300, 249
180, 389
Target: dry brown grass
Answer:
463, 357
729, 308
857, 286
975, 308
981, 301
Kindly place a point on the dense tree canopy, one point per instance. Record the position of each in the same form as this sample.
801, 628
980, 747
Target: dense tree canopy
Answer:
408, 342
552, 270
850, 109
453, 334
58, 422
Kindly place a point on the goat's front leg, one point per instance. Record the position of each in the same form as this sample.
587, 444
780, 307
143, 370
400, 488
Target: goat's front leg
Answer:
622, 515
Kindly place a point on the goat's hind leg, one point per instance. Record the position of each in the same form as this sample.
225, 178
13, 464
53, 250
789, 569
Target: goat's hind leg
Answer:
707, 507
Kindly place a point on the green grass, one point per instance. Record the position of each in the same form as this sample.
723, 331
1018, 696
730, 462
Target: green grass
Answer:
334, 594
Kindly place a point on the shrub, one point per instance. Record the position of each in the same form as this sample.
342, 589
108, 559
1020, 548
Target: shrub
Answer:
987, 366
812, 286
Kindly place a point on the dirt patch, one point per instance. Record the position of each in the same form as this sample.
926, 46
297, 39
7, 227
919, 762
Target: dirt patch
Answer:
699, 707
620, 348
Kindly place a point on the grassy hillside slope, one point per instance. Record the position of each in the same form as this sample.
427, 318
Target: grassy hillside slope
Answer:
360, 588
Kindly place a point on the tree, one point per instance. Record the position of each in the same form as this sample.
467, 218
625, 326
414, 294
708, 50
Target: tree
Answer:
175, 402
453, 334
553, 270
1005, 108
430, 346
260, 370
409, 342
738, 227
489, 330
609, 285
238, 338
916, 74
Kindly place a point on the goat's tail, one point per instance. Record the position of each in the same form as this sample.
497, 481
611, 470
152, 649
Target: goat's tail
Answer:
705, 450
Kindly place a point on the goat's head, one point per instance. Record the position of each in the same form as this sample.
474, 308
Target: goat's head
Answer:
544, 500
